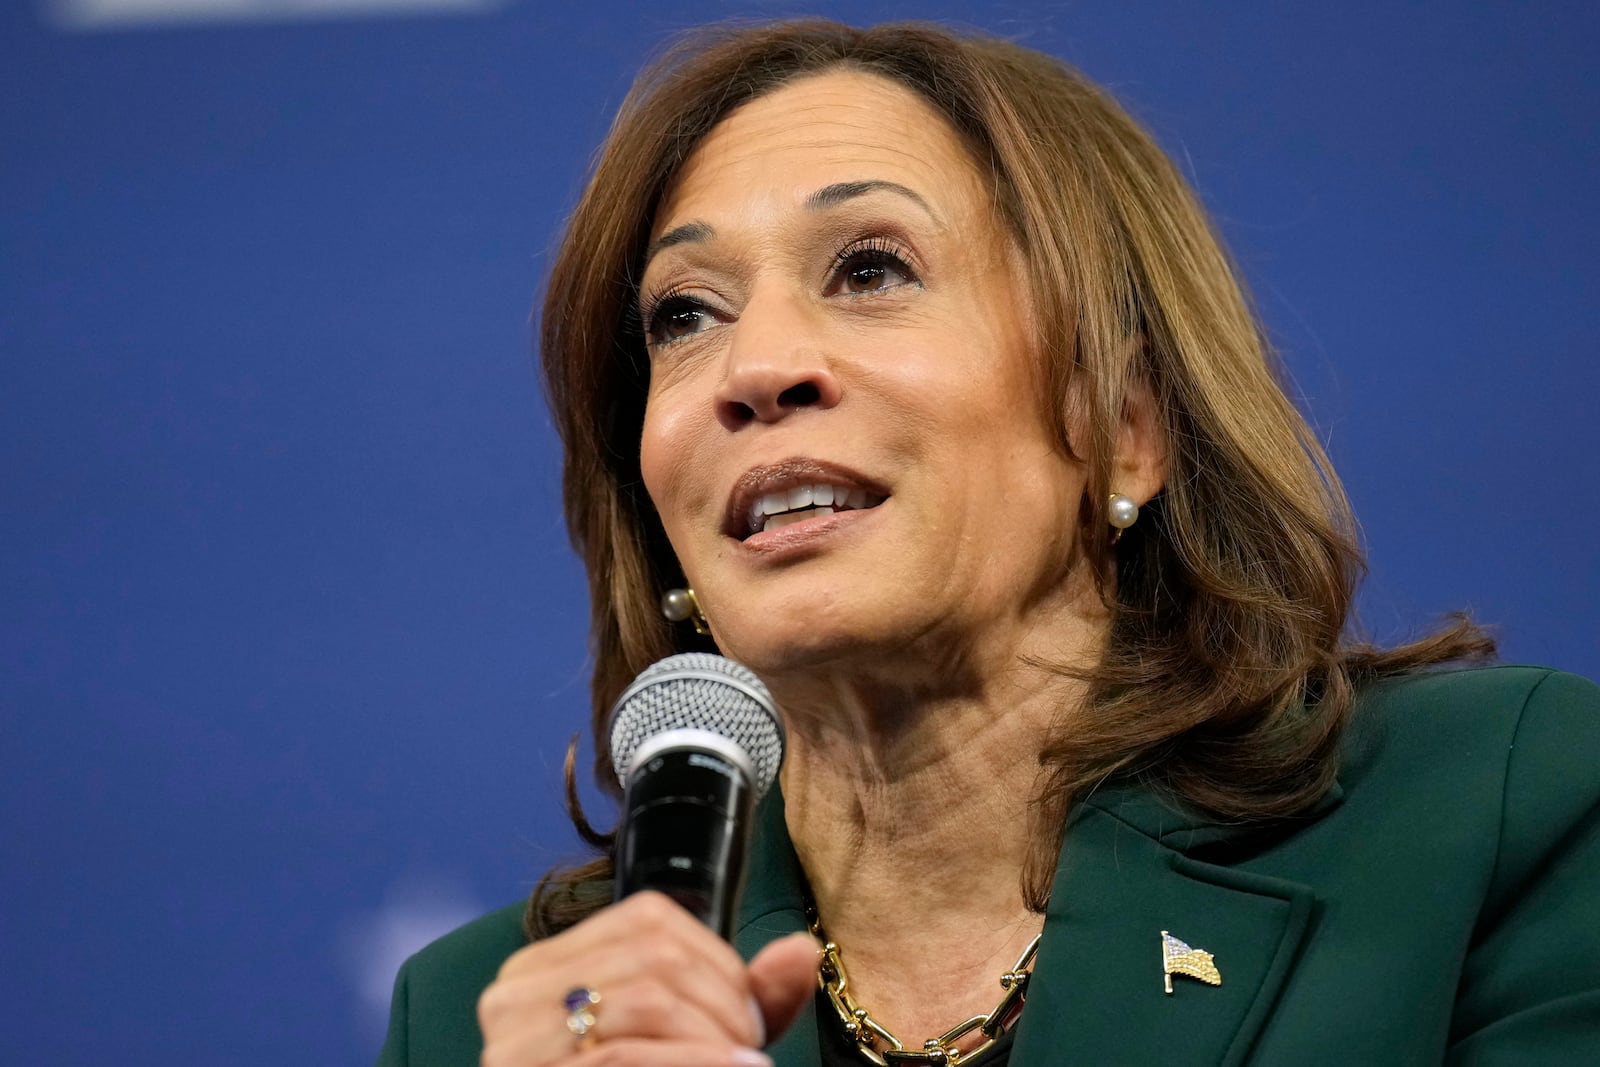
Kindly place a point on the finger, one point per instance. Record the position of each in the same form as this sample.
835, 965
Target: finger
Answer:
628, 1052
647, 935
631, 923
783, 978
701, 967
640, 1006
653, 911
670, 1054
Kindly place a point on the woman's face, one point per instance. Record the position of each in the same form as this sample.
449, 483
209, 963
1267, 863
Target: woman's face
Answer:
843, 434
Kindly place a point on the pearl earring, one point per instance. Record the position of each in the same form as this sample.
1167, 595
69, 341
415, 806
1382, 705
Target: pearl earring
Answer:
1122, 513
680, 605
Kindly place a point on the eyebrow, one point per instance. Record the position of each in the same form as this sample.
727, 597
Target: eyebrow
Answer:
840, 192
828, 196
691, 231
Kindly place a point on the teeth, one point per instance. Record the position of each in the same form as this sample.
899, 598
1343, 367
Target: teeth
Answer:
778, 522
778, 509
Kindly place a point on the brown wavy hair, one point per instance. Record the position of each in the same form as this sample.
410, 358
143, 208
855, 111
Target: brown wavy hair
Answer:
1230, 675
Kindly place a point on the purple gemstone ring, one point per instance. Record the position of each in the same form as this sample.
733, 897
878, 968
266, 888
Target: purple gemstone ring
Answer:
579, 1004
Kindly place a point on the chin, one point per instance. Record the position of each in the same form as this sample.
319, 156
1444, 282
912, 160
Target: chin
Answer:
778, 641
774, 651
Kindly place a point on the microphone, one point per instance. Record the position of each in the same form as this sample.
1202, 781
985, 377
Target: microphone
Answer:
695, 741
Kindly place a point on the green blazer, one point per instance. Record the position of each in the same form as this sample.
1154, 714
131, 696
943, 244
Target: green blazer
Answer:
1441, 905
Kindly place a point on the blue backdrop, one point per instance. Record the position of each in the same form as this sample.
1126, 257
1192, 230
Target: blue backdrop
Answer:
290, 636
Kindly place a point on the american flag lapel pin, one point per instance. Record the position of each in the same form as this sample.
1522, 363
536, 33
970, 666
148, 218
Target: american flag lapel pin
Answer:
1178, 958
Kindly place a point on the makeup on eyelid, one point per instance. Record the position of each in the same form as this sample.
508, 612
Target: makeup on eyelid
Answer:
869, 258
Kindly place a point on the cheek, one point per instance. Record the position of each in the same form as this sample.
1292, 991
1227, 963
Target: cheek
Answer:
666, 442
657, 449
654, 446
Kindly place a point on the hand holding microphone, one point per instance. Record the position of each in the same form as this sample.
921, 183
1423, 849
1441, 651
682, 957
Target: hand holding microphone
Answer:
649, 981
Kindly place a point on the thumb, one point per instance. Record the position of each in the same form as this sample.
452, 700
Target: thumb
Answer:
783, 976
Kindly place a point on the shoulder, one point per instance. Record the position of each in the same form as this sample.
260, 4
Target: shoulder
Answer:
1507, 716
1512, 755
467, 958
433, 1019
1509, 755
1471, 695
1484, 763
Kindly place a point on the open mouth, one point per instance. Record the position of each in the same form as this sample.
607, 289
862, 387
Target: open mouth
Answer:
775, 495
783, 507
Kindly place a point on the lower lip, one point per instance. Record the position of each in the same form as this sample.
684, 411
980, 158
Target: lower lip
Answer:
799, 537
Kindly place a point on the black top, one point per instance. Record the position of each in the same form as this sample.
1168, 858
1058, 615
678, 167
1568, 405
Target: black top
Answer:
839, 1051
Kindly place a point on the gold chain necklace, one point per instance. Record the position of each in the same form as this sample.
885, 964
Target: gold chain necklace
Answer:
867, 1033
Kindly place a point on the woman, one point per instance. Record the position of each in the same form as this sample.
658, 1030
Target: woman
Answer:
915, 358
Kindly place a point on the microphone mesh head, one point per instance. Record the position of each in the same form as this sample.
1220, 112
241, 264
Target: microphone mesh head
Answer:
697, 690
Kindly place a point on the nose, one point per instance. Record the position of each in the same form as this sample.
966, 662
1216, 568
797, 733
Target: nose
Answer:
777, 364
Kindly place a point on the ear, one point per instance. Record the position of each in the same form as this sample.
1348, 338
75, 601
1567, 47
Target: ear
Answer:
1139, 465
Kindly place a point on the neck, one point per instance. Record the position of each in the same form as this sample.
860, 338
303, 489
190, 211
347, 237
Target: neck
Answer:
927, 808
911, 809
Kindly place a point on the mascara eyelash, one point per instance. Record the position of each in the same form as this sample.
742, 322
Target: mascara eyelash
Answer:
876, 246
651, 303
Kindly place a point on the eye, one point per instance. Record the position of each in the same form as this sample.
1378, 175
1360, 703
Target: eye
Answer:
673, 317
870, 267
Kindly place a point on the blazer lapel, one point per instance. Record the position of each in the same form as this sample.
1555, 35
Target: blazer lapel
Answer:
1097, 994
774, 906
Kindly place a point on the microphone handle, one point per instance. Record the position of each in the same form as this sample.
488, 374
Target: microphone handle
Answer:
687, 814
